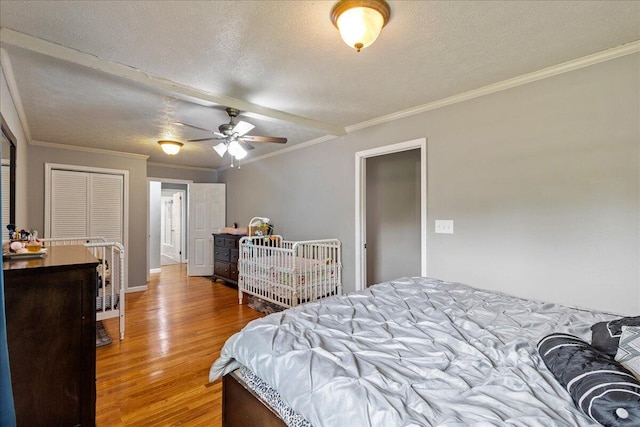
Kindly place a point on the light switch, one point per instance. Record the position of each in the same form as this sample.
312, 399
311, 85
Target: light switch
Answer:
444, 226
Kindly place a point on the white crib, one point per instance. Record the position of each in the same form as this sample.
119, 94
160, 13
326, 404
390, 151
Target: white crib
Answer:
289, 273
111, 278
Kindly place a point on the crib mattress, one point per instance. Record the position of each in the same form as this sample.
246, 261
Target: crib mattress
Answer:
281, 270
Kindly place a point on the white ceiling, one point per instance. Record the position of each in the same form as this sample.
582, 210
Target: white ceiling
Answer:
116, 75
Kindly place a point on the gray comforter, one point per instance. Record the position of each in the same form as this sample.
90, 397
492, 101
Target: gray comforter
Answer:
412, 352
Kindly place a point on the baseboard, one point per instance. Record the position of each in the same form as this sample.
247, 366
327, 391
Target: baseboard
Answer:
155, 270
132, 289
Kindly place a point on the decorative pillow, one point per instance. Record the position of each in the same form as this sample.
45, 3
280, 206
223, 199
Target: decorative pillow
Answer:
606, 335
629, 350
598, 385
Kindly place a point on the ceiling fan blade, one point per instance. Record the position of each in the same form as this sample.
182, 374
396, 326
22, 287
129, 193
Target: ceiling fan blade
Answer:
193, 127
246, 145
253, 138
242, 127
203, 139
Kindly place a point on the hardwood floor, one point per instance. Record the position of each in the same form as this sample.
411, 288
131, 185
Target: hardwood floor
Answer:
158, 375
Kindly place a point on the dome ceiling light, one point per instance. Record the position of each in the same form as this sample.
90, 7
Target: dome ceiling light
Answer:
170, 147
360, 21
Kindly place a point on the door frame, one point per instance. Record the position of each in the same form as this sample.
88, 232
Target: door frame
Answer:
183, 221
186, 219
361, 219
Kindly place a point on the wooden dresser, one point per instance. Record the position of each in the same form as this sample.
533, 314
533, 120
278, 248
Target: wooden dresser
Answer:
225, 257
51, 335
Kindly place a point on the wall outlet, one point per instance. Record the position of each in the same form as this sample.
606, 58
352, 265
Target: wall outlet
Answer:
444, 226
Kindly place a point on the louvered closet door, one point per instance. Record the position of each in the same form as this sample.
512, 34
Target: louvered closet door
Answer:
105, 208
69, 204
86, 204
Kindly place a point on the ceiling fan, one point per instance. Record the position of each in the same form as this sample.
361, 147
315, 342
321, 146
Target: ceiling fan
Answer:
233, 136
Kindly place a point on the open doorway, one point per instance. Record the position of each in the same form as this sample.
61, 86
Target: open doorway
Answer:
160, 223
392, 216
381, 225
172, 229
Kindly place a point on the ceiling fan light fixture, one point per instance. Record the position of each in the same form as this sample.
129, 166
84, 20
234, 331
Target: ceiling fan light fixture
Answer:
360, 21
170, 147
220, 149
236, 150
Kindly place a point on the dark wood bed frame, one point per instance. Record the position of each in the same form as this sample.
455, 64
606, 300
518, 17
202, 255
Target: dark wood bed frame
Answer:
242, 407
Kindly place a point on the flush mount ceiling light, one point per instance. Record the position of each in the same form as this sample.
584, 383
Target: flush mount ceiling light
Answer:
170, 147
360, 21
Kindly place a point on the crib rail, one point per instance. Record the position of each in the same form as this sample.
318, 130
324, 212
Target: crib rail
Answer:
112, 281
288, 273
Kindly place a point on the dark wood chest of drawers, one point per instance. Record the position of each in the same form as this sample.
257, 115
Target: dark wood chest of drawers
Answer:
51, 335
225, 257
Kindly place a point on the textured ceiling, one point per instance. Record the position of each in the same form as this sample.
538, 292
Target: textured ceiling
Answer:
282, 55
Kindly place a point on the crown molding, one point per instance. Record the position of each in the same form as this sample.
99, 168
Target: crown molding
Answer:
196, 168
88, 149
554, 70
596, 58
7, 69
159, 84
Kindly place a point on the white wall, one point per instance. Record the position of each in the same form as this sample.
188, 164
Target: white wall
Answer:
542, 182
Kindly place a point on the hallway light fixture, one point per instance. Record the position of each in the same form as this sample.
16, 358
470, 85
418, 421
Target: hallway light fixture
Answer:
360, 21
170, 147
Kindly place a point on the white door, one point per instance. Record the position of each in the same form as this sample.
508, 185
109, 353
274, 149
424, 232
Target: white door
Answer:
206, 216
171, 227
167, 248
177, 225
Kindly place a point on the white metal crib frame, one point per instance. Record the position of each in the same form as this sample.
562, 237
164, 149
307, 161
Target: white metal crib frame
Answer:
111, 256
289, 273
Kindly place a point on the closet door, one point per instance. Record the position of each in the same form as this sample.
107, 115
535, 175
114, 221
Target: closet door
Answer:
86, 204
105, 206
69, 204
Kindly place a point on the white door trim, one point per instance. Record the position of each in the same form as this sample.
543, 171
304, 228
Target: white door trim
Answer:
186, 219
360, 221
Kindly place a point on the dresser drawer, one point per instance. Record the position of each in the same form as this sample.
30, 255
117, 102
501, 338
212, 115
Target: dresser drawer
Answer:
233, 256
233, 271
222, 269
221, 254
219, 241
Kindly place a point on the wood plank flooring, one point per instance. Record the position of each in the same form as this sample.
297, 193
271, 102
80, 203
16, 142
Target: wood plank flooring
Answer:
158, 375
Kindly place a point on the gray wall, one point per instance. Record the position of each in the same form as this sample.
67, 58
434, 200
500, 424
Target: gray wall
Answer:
393, 216
137, 250
542, 181
194, 174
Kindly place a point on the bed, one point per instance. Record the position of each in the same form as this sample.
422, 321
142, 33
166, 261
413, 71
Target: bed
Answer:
288, 273
411, 352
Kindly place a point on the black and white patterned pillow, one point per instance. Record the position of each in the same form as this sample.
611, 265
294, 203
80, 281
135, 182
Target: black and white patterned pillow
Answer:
598, 385
629, 350
606, 335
